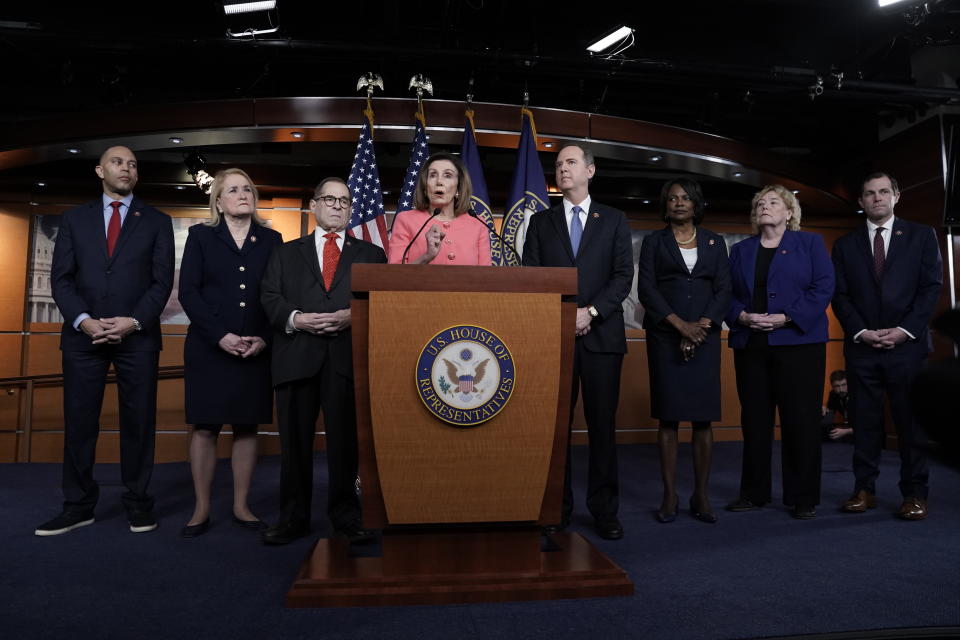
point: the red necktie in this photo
(113, 229)
(879, 255)
(331, 256)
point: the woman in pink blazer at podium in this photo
(448, 232)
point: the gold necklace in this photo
(692, 238)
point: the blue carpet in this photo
(753, 574)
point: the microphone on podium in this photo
(435, 213)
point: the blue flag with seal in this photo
(419, 153)
(480, 201)
(528, 193)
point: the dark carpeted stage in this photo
(754, 574)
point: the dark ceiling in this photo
(741, 69)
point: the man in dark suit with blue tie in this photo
(112, 273)
(306, 293)
(596, 240)
(888, 280)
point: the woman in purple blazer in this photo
(782, 283)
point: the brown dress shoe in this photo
(860, 502)
(913, 509)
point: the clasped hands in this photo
(883, 338)
(322, 323)
(762, 321)
(108, 330)
(242, 346)
(692, 335)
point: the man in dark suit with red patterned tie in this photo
(111, 276)
(888, 280)
(306, 294)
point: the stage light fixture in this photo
(175, 139)
(196, 167)
(615, 37)
(73, 150)
(248, 7)
(249, 19)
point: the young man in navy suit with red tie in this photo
(112, 273)
(888, 281)
(595, 239)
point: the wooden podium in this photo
(460, 491)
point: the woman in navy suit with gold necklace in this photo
(683, 283)
(226, 359)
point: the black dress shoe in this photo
(194, 530)
(285, 532)
(66, 521)
(609, 529)
(804, 512)
(668, 515)
(250, 525)
(555, 528)
(355, 534)
(742, 504)
(702, 515)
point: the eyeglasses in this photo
(332, 200)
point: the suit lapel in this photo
(673, 248)
(898, 244)
(862, 240)
(788, 244)
(590, 230)
(130, 224)
(347, 254)
(750, 247)
(96, 227)
(308, 249)
(559, 219)
(223, 233)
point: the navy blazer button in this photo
(242, 268)
(243, 286)
(243, 304)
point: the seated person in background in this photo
(836, 422)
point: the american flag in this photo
(367, 217)
(418, 154)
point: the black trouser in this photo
(598, 375)
(84, 380)
(788, 378)
(298, 406)
(872, 377)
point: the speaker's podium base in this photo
(456, 567)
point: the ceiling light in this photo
(179, 187)
(646, 202)
(548, 145)
(249, 7)
(618, 35)
(175, 140)
(41, 184)
(73, 150)
(654, 158)
(297, 134)
(738, 174)
(887, 3)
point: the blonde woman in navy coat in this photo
(226, 356)
(683, 283)
(783, 280)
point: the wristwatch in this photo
(592, 310)
(136, 325)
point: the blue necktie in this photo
(576, 230)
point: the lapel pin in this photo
(783, 251)
(347, 243)
(136, 213)
(596, 215)
(899, 233)
(710, 242)
(253, 238)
